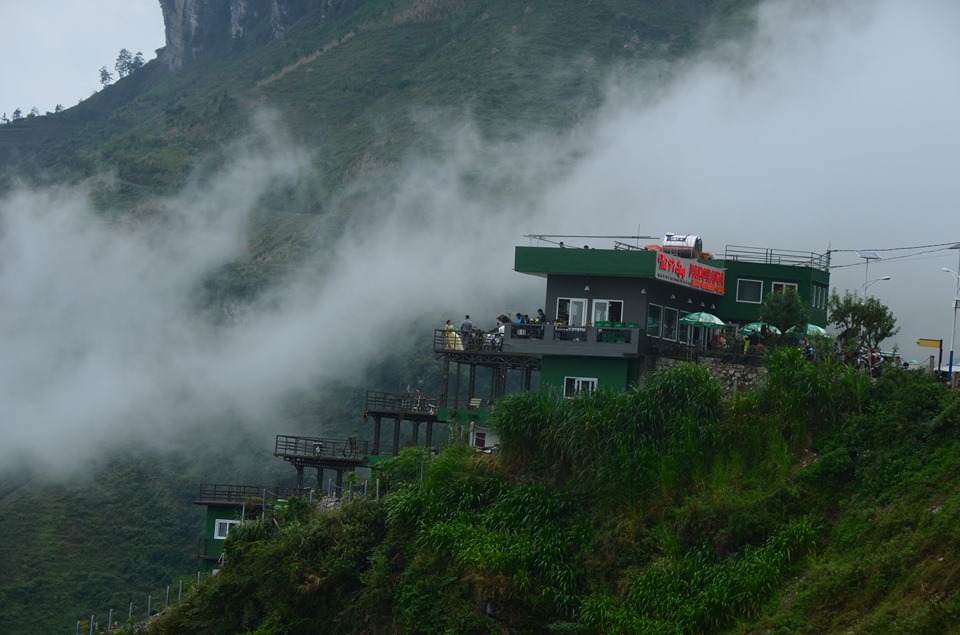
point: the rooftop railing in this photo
(778, 257)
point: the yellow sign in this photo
(929, 343)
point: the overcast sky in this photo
(51, 50)
(834, 127)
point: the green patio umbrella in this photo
(758, 326)
(702, 319)
(811, 330)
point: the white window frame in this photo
(820, 296)
(586, 306)
(606, 310)
(222, 528)
(784, 286)
(579, 384)
(750, 301)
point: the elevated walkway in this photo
(340, 455)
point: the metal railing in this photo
(216, 493)
(570, 333)
(475, 340)
(613, 335)
(733, 352)
(413, 403)
(316, 447)
(778, 257)
(528, 331)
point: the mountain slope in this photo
(362, 87)
(820, 502)
(359, 84)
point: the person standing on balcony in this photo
(451, 340)
(466, 331)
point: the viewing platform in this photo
(408, 406)
(340, 455)
(521, 342)
(237, 495)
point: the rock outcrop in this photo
(194, 26)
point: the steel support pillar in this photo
(446, 383)
(376, 435)
(396, 437)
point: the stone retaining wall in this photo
(733, 377)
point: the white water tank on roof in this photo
(683, 245)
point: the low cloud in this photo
(829, 127)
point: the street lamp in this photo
(953, 333)
(867, 284)
(867, 257)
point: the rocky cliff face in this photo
(193, 26)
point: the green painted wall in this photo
(214, 547)
(603, 262)
(611, 372)
(804, 277)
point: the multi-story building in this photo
(614, 309)
(611, 313)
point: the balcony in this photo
(235, 495)
(615, 340)
(317, 449)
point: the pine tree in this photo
(124, 63)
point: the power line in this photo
(930, 249)
(896, 248)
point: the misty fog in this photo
(832, 127)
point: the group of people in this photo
(467, 335)
(523, 318)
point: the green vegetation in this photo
(785, 310)
(862, 323)
(819, 502)
(365, 82)
(667, 509)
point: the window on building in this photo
(480, 439)
(780, 287)
(819, 297)
(684, 330)
(607, 311)
(669, 323)
(572, 386)
(654, 318)
(749, 291)
(571, 311)
(222, 528)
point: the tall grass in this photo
(698, 592)
(656, 437)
